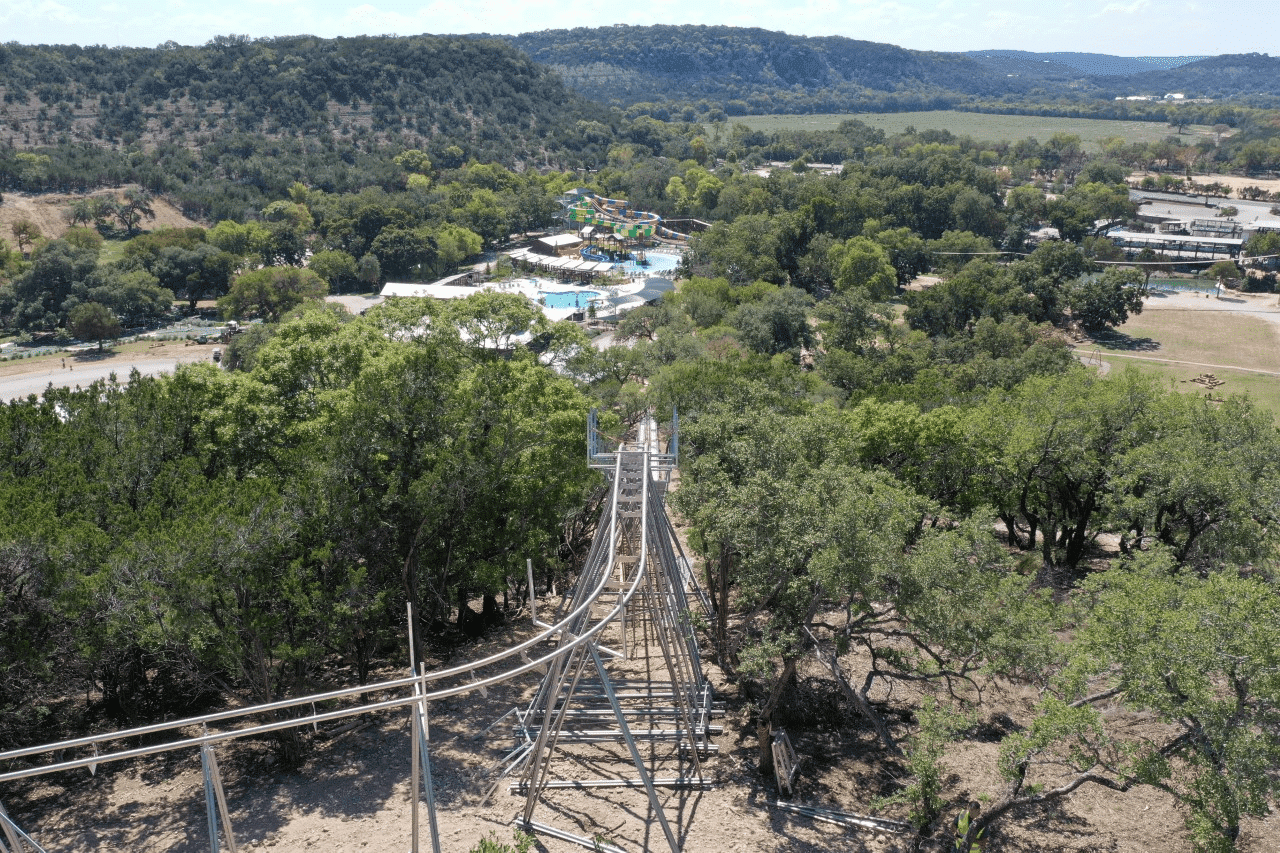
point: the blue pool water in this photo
(659, 264)
(571, 299)
(1158, 286)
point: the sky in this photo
(1118, 27)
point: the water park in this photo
(611, 237)
(558, 300)
(627, 257)
(561, 301)
(621, 219)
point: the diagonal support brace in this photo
(635, 751)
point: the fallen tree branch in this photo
(855, 697)
(1097, 697)
(1013, 801)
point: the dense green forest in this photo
(926, 478)
(421, 88)
(227, 126)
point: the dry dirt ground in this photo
(48, 212)
(352, 794)
(22, 377)
(1236, 182)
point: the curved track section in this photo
(625, 220)
(631, 594)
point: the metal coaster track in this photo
(635, 577)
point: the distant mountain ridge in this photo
(1092, 64)
(751, 70)
(760, 69)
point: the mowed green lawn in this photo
(1181, 344)
(994, 128)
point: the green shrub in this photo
(491, 844)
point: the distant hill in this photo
(1248, 76)
(1088, 64)
(750, 70)
(754, 70)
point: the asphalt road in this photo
(23, 384)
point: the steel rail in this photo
(598, 564)
(537, 758)
(564, 648)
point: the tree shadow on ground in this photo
(1120, 341)
(95, 355)
(1046, 828)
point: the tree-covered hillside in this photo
(430, 91)
(1246, 76)
(224, 129)
(1025, 62)
(750, 71)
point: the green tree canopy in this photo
(43, 294)
(271, 291)
(134, 296)
(863, 263)
(1105, 301)
(93, 321)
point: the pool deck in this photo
(614, 299)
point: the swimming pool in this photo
(570, 299)
(1166, 286)
(660, 263)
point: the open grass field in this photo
(1179, 344)
(995, 128)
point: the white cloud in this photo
(1134, 8)
(50, 11)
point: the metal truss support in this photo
(593, 427)
(18, 841)
(594, 844)
(587, 784)
(634, 559)
(215, 801)
(535, 779)
(422, 763)
(673, 446)
(645, 778)
(535, 775)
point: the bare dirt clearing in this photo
(1236, 182)
(49, 212)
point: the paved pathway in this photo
(84, 373)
